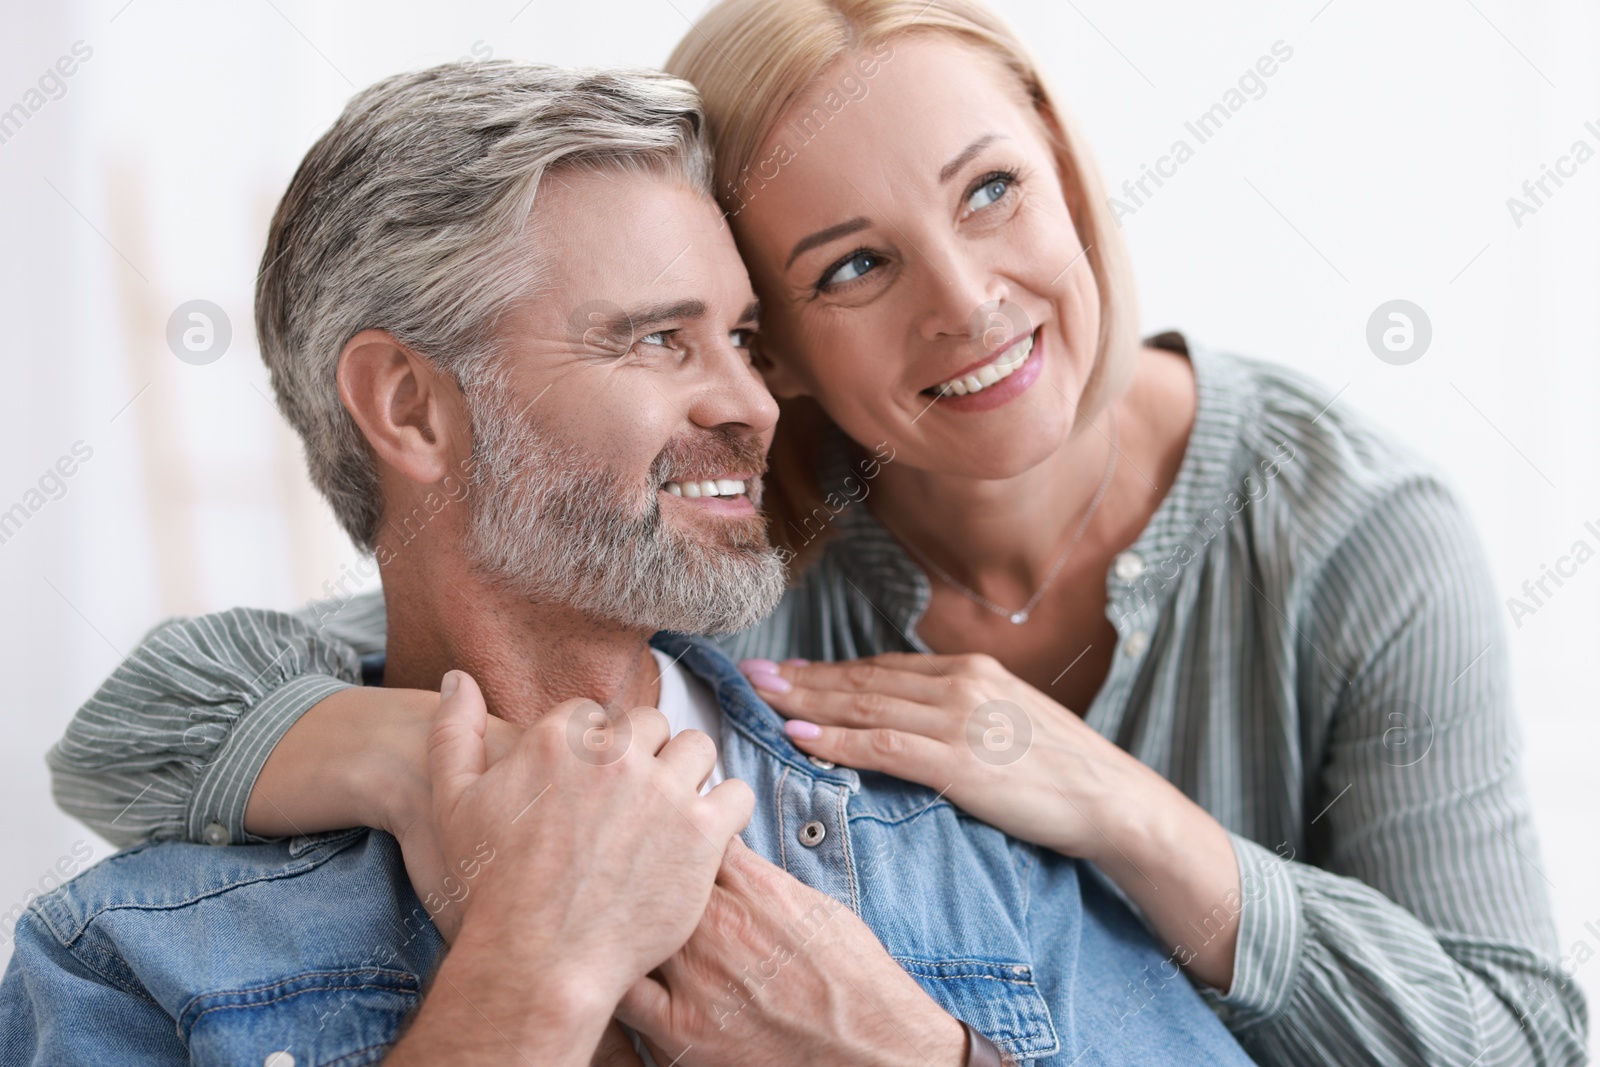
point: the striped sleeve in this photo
(1417, 928)
(171, 744)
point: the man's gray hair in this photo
(411, 215)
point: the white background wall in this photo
(1377, 165)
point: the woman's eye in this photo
(858, 265)
(989, 192)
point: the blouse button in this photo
(812, 833)
(1128, 566)
(215, 834)
(1135, 644)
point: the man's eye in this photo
(659, 338)
(990, 192)
(741, 338)
(848, 270)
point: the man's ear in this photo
(412, 413)
(774, 369)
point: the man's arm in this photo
(599, 872)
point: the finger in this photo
(650, 729)
(912, 756)
(908, 675)
(456, 752)
(646, 1007)
(845, 708)
(615, 1050)
(500, 738)
(690, 757)
(730, 805)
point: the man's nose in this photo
(733, 394)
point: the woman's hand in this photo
(1008, 754)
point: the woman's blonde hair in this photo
(751, 59)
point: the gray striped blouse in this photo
(1309, 646)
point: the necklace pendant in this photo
(1018, 617)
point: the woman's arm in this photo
(1416, 927)
(172, 743)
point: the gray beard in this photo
(555, 526)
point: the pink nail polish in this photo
(772, 683)
(750, 666)
(802, 730)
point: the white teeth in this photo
(695, 490)
(989, 373)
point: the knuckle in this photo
(885, 743)
(869, 707)
(863, 675)
(980, 664)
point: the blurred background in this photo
(1427, 152)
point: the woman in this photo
(1167, 610)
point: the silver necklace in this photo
(1020, 616)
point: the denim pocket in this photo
(343, 1017)
(1000, 1001)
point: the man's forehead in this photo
(630, 233)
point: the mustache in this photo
(712, 452)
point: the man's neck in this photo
(527, 657)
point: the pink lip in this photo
(721, 505)
(982, 363)
(1002, 392)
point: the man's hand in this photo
(578, 875)
(778, 973)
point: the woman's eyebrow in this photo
(822, 237)
(964, 156)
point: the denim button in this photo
(812, 833)
(820, 763)
(215, 834)
(279, 1059)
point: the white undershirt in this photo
(689, 704)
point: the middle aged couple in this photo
(1096, 688)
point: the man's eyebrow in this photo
(752, 312)
(964, 157)
(822, 237)
(641, 319)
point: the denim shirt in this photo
(172, 953)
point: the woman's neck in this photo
(1002, 537)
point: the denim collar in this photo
(742, 709)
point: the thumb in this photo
(456, 752)
(647, 1007)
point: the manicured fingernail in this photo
(448, 684)
(772, 683)
(797, 662)
(802, 730)
(750, 666)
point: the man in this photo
(519, 272)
